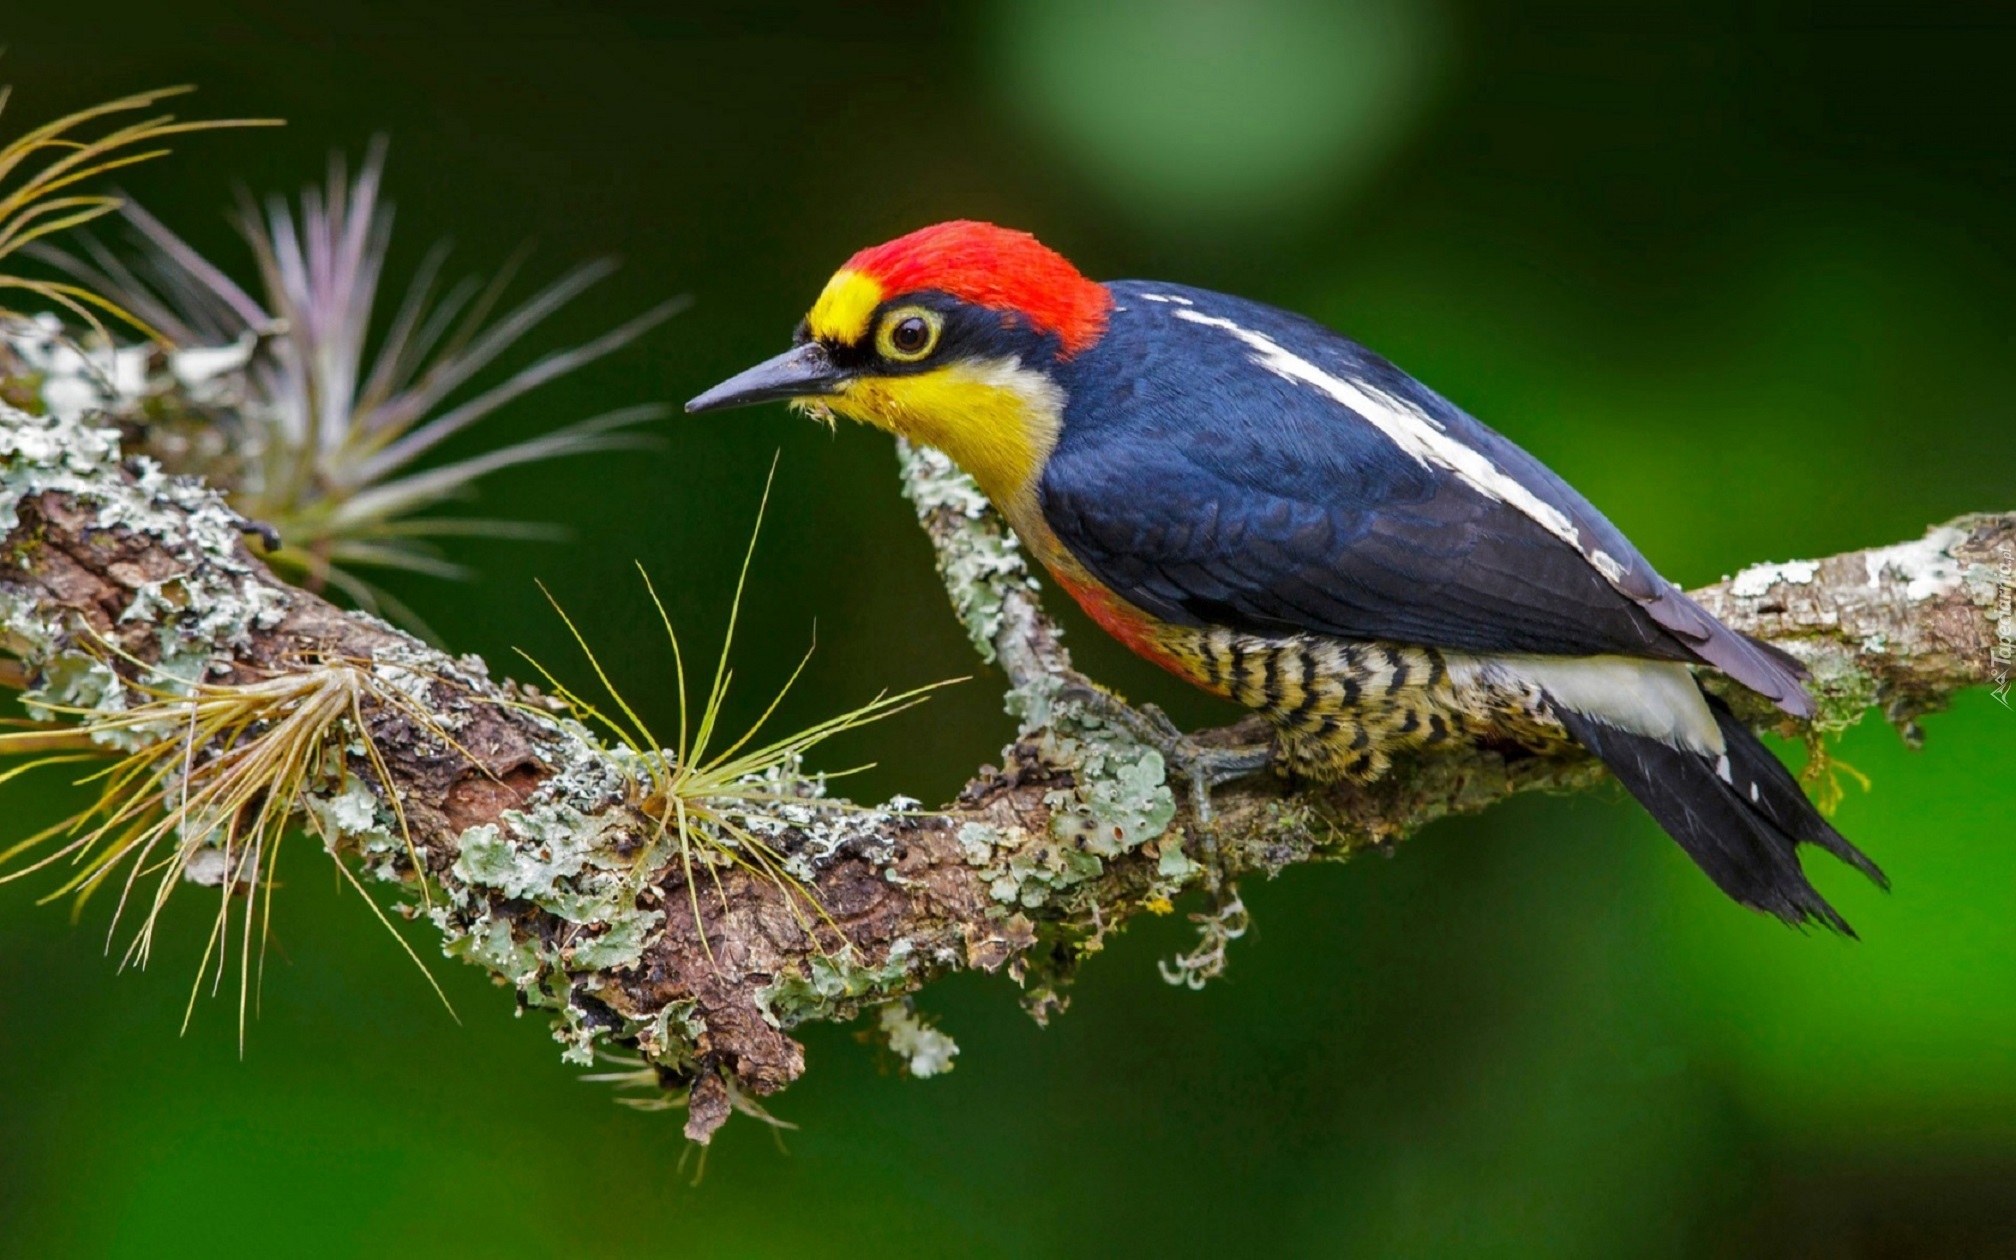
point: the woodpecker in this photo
(1278, 515)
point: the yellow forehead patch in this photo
(842, 311)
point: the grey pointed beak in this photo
(800, 372)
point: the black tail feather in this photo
(1742, 820)
(1779, 796)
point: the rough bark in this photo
(542, 865)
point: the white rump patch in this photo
(1414, 432)
(1654, 698)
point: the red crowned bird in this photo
(1282, 517)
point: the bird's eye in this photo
(909, 334)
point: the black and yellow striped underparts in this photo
(1344, 708)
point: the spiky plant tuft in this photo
(42, 170)
(709, 793)
(335, 427)
(206, 779)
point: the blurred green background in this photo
(1748, 285)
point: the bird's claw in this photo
(1203, 766)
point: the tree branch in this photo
(530, 844)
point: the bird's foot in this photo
(1204, 766)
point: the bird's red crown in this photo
(993, 267)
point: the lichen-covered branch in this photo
(527, 842)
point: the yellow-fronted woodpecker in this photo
(1280, 516)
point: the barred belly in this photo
(1343, 708)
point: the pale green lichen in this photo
(1173, 865)
(620, 945)
(836, 985)
(1925, 565)
(977, 841)
(1842, 690)
(553, 856)
(1021, 870)
(414, 671)
(566, 853)
(199, 614)
(1216, 930)
(1121, 798)
(74, 382)
(495, 944)
(1123, 802)
(983, 561)
(1118, 803)
(351, 816)
(1032, 874)
(1759, 578)
(784, 801)
(351, 810)
(924, 1050)
(79, 680)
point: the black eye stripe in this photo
(962, 330)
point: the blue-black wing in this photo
(1215, 469)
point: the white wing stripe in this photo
(1414, 432)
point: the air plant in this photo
(199, 782)
(41, 170)
(716, 803)
(214, 777)
(334, 425)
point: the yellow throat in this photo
(996, 419)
